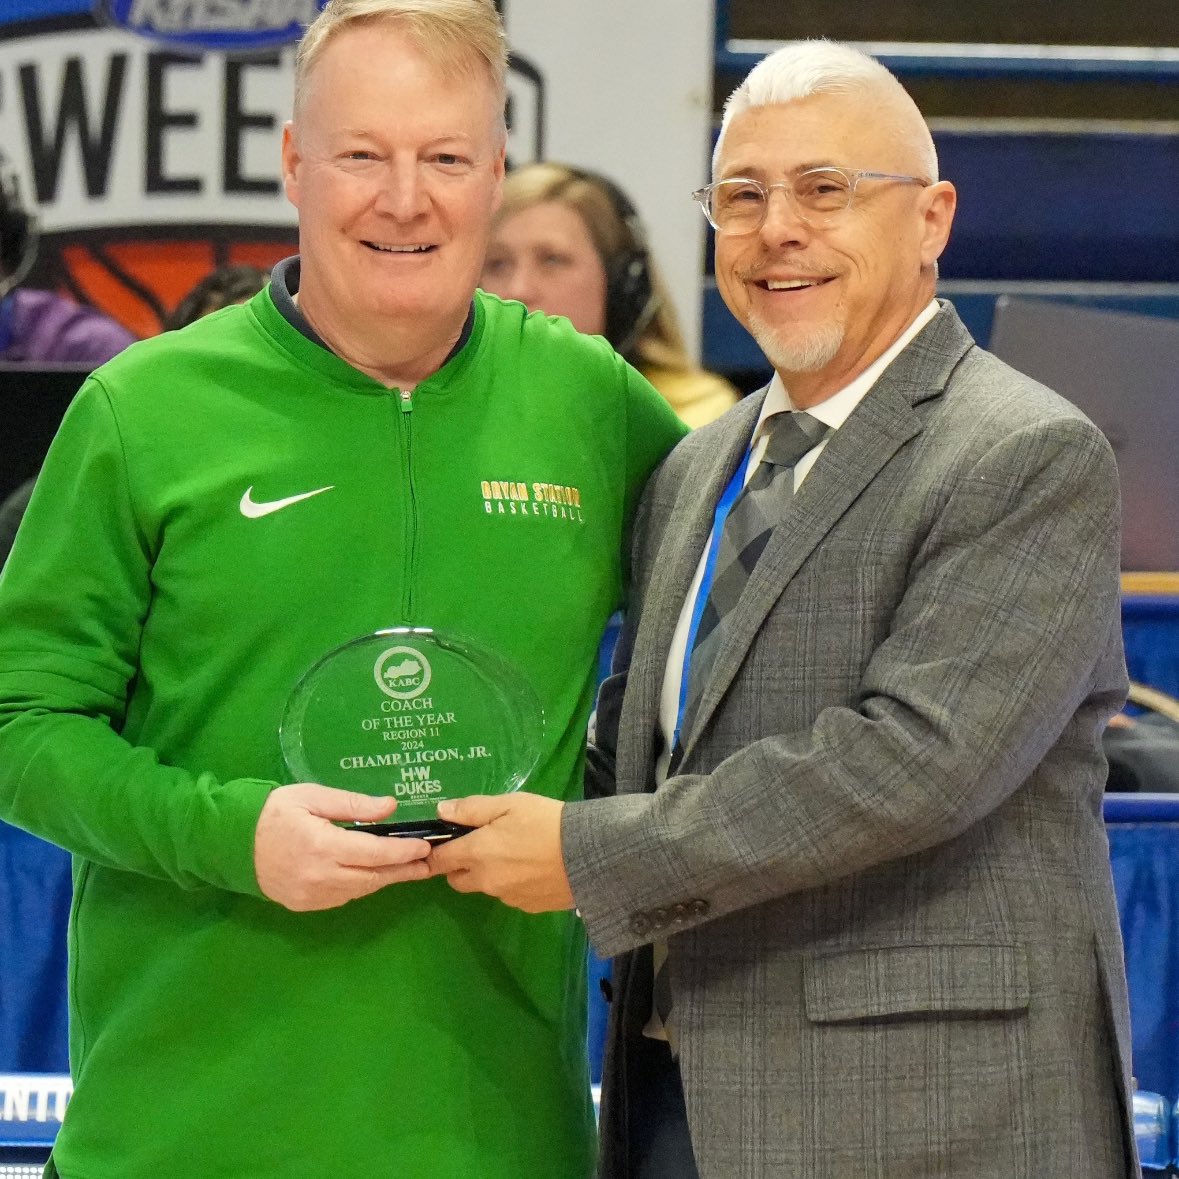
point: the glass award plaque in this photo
(418, 714)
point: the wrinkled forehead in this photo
(388, 46)
(386, 88)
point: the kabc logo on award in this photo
(402, 672)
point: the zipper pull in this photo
(406, 403)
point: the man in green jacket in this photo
(370, 442)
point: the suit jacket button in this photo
(640, 923)
(699, 908)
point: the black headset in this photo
(631, 301)
(18, 231)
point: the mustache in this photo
(757, 271)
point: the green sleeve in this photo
(73, 599)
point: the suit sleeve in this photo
(992, 649)
(73, 600)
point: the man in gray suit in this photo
(855, 733)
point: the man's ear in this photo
(290, 163)
(500, 167)
(938, 203)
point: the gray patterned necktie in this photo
(745, 534)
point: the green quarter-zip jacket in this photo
(222, 507)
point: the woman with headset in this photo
(569, 242)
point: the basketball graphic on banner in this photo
(144, 140)
(139, 280)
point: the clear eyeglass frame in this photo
(819, 195)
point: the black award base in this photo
(431, 830)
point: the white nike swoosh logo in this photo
(254, 511)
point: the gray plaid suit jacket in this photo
(881, 868)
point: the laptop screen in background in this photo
(1122, 372)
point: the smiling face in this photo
(395, 167)
(824, 302)
(544, 256)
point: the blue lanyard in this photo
(7, 312)
(733, 489)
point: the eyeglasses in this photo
(820, 195)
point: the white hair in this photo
(802, 68)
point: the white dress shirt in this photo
(832, 413)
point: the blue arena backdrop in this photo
(21, 10)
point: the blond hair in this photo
(613, 228)
(458, 36)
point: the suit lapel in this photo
(685, 533)
(855, 454)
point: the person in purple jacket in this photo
(40, 326)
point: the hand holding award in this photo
(417, 714)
